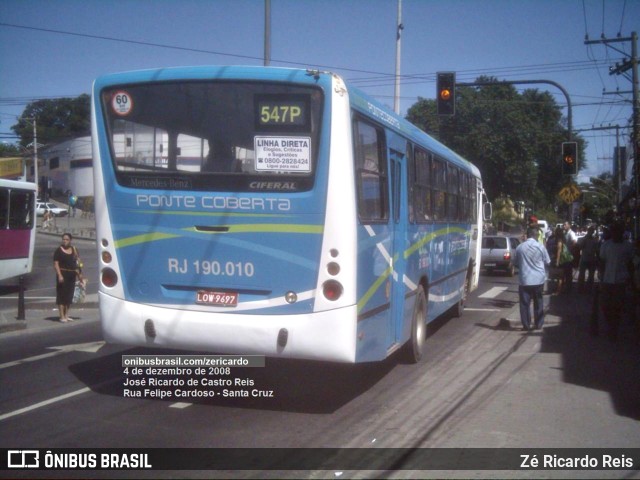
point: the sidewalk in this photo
(584, 358)
(44, 315)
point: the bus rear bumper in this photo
(329, 335)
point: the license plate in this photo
(219, 299)
(489, 264)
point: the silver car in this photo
(498, 253)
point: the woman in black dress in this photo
(65, 263)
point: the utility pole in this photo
(616, 157)
(400, 27)
(630, 62)
(267, 32)
(35, 157)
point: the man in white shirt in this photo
(531, 260)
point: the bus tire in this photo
(414, 349)
(458, 309)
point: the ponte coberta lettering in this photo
(213, 202)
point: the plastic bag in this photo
(80, 291)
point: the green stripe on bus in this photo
(144, 238)
(427, 238)
(247, 228)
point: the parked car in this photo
(498, 253)
(57, 211)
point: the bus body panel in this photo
(327, 335)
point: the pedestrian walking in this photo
(589, 245)
(46, 220)
(531, 259)
(616, 257)
(560, 266)
(571, 241)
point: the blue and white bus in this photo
(274, 211)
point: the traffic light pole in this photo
(525, 82)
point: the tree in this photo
(56, 120)
(7, 150)
(513, 138)
(598, 198)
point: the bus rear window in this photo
(229, 136)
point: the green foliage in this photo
(7, 150)
(56, 120)
(513, 138)
(504, 212)
(598, 198)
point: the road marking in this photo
(482, 309)
(91, 297)
(14, 297)
(180, 405)
(493, 292)
(91, 347)
(44, 404)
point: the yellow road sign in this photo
(569, 193)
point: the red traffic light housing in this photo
(446, 93)
(569, 158)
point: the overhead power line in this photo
(381, 79)
(175, 47)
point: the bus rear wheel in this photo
(458, 309)
(414, 349)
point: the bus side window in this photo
(371, 171)
(21, 216)
(4, 208)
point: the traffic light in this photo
(569, 158)
(446, 93)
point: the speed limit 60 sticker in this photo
(122, 103)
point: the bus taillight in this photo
(332, 290)
(109, 278)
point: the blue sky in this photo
(508, 39)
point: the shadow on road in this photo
(594, 361)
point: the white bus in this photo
(17, 227)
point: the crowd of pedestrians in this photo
(607, 254)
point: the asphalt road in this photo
(483, 383)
